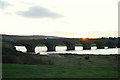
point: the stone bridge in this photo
(70, 43)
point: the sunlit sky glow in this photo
(67, 18)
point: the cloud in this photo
(4, 4)
(39, 12)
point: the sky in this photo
(64, 18)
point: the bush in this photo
(87, 57)
(11, 59)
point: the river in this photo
(78, 50)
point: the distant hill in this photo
(32, 37)
(10, 37)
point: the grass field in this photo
(58, 71)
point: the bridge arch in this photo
(29, 48)
(110, 44)
(50, 46)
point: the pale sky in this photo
(67, 18)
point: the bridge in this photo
(70, 43)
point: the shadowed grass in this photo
(58, 71)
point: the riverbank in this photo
(62, 66)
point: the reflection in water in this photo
(78, 50)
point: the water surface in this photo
(78, 50)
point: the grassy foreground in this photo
(20, 65)
(58, 71)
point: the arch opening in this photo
(21, 48)
(79, 46)
(40, 48)
(93, 46)
(61, 47)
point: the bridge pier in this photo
(118, 44)
(30, 48)
(86, 46)
(50, 46)
(99, 45)
(110, 44)
(70, 48)
(69, 45)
